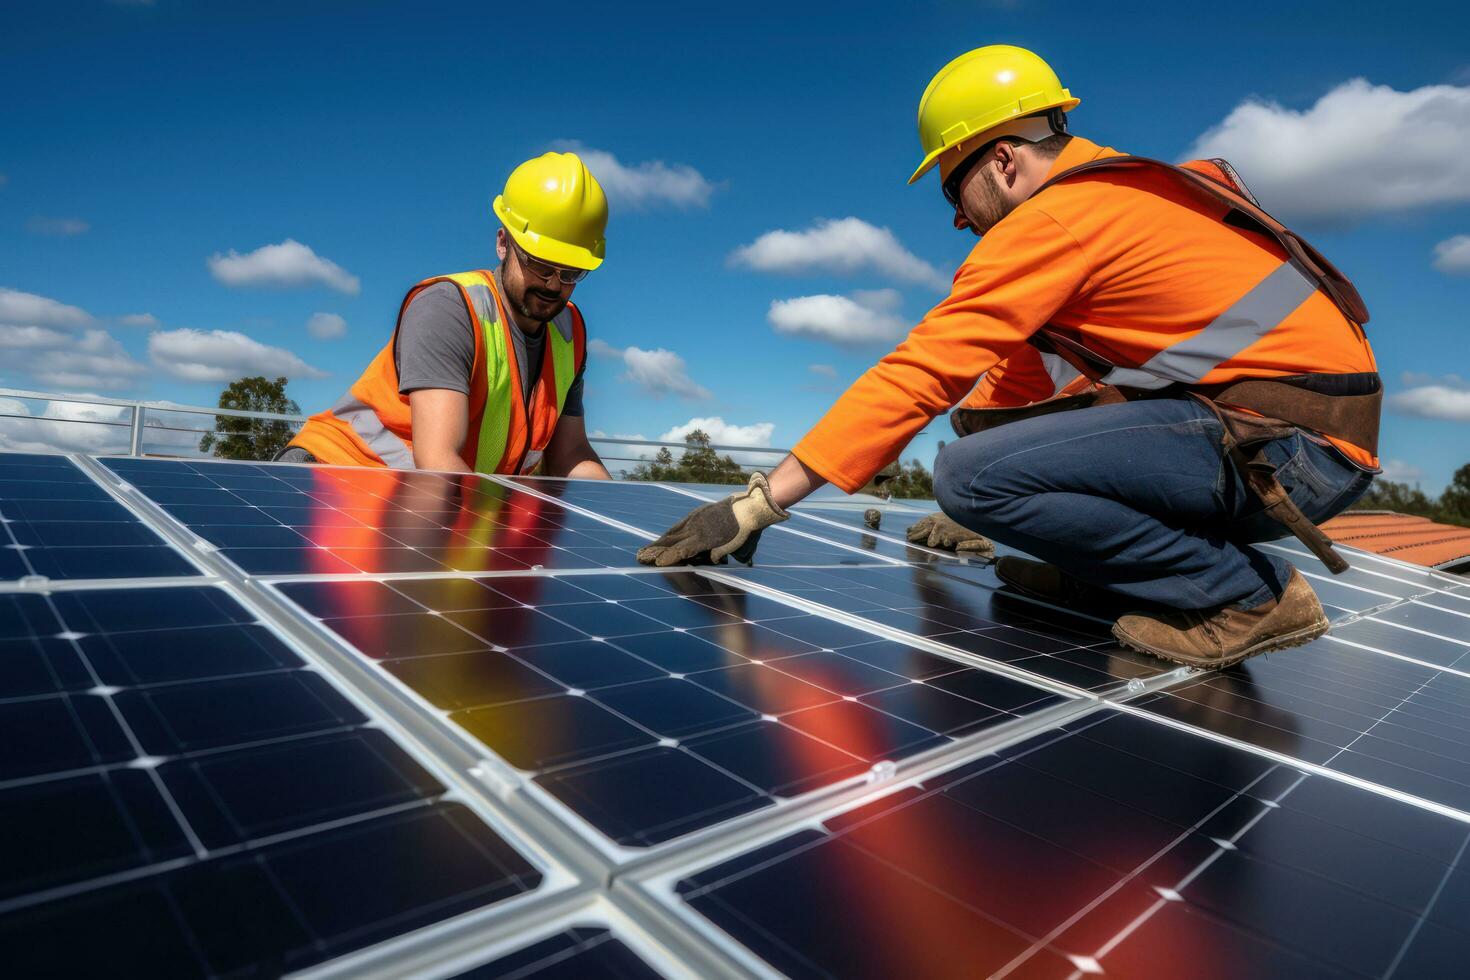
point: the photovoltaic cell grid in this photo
(57, 523)
(653, 705)
(275, 520)
(1385, 697)
(181, 795)
(962, 607)
(653, 508)
(1119, 848)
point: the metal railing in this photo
(124, 426)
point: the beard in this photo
(538, 305)
(992, 205)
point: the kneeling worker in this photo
(484, 369)
(1231, 394)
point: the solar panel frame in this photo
(1368, 594)
(58, 523)
(190, 802)
(536, 779)
(667, 883)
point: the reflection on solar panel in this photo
(292, 520)
(652, 508)
(1120, 849)
(654, 705)
(426, 724)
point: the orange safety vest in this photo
(371, 425)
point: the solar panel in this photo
(192, 797)
(444, 725)
(653, 508)
(654, 705)
(577, 952)
(1118, 848)
(314, 520)
(961, 608)
(57, 523)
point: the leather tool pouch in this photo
(1244, 437)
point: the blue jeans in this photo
(1137, 498)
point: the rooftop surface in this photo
(1403, 536)
(269, 719)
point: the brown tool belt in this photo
(1252, 413)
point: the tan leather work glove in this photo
(710, 532)
(938, 531)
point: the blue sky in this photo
(142, 139)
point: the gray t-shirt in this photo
(436, 348)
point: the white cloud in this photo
(92, 361)
(722, 433)
(661, 372)
(600, 434)
(1401, 472)
(646, 184)
(598, 347)
(14, 336)
(145, 320)
(223, 355)
(658, 372)
(1361, 149)
(286, 265)
(1434, 401)
(825, 370)
(28, 308)
(326, 326)
(865, 317)
(846, 245)
(1452, 256)
(57, 227)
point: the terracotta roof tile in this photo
(1403, 536)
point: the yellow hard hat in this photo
(977, 94)
(555, 209)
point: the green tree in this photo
(1451, 507)
(909, 480)
(1454, 503)
(698, 464)
(242, 438)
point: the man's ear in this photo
(1006, 162)
(500, 247)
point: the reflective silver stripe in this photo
(532, 460)
(483, 303)
(1248, 319)
(1062, 373)
(563, 321)
(381, 440)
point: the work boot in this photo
(1217, 638)
(1041, 580)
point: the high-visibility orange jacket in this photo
(372, 424)
(1129, 264)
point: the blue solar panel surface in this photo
(399, 696)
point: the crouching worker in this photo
(484, 369)
(1222, 389)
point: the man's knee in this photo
(956, 489)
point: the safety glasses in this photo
(545, 271)
(951, 187)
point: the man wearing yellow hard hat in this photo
(1230, 394)
(484, 368)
